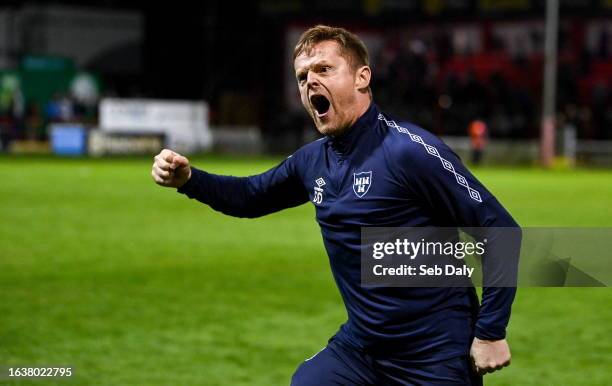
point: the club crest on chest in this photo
(361, 183)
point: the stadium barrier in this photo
(497, 151)
(237, 140)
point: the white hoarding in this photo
(184, 123)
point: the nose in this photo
(312, 79)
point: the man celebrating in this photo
(370, 170)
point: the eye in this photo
(325, 68)
(301, 78)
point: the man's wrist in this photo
(186, 180)
(489, 333)
(481, 340)
(186, 186)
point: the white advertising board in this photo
(184, 123)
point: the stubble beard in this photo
(334, 132)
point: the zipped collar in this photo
(344, 143)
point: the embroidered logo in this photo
(361, 183)
(317, 196)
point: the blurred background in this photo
(129, 76)
(133, 284)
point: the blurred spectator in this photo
(34, 121)
(53, 109)
(602, 111)
(7, 126)
(477, 131)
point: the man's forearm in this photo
(252, 196)
(494, 312)
(226, 194)
(500, 270)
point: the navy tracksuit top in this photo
(414, 180)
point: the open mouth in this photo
(320, 104)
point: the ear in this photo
(362, 77)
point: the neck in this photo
(342, 144)
(360, 107)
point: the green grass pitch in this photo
(133, 284)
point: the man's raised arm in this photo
(253, 196)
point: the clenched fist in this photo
(170, 169)
(489, 355)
